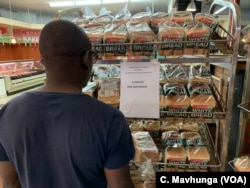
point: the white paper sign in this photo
(139, 96)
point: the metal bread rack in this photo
(207, 140)
(231, 164)
(227, 43)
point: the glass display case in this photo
(21, 75)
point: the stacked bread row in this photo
(186, 89)
(174, 34)
(179, 145)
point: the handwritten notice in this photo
(139, 97)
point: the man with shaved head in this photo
(58, 137)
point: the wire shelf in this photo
(245, 107)
(207, 139)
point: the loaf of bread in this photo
(101, 72)
(190, 138)
(199, 153)
(115, 34)
(81, 21)
(177, 101)
(170, 138)
(157, 18)
(102, 20)
(198, 40)
(189, 126)
(182, 17)
(136, 126)
(198, 157)
(174, 88)
(140, 35)
(152, 125)
(122, 16)
(170, 35)
(141, 17)
(175, 74)
(202, 100)
(175, 158)
(199, 88)
(139, 136)
(145, 148)
(208, 19)
(170, 126)
(109, 91)
(242, 163)
(175, 152)
(199, 73)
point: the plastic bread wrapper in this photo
(147, 171)
(190, 138)
(200, 73)
(141, 136)
(209, 20)
(171, 138)
(146, 150)
(175, 74)
(242, 163)
(136, 126)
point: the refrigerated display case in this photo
(21, 75)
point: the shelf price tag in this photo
(139, 95)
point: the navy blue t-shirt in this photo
(57, 140)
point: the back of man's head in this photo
(62, 38)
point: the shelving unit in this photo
(244, 106)
(227, 40)
(234, 31)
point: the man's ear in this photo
(85, 63)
